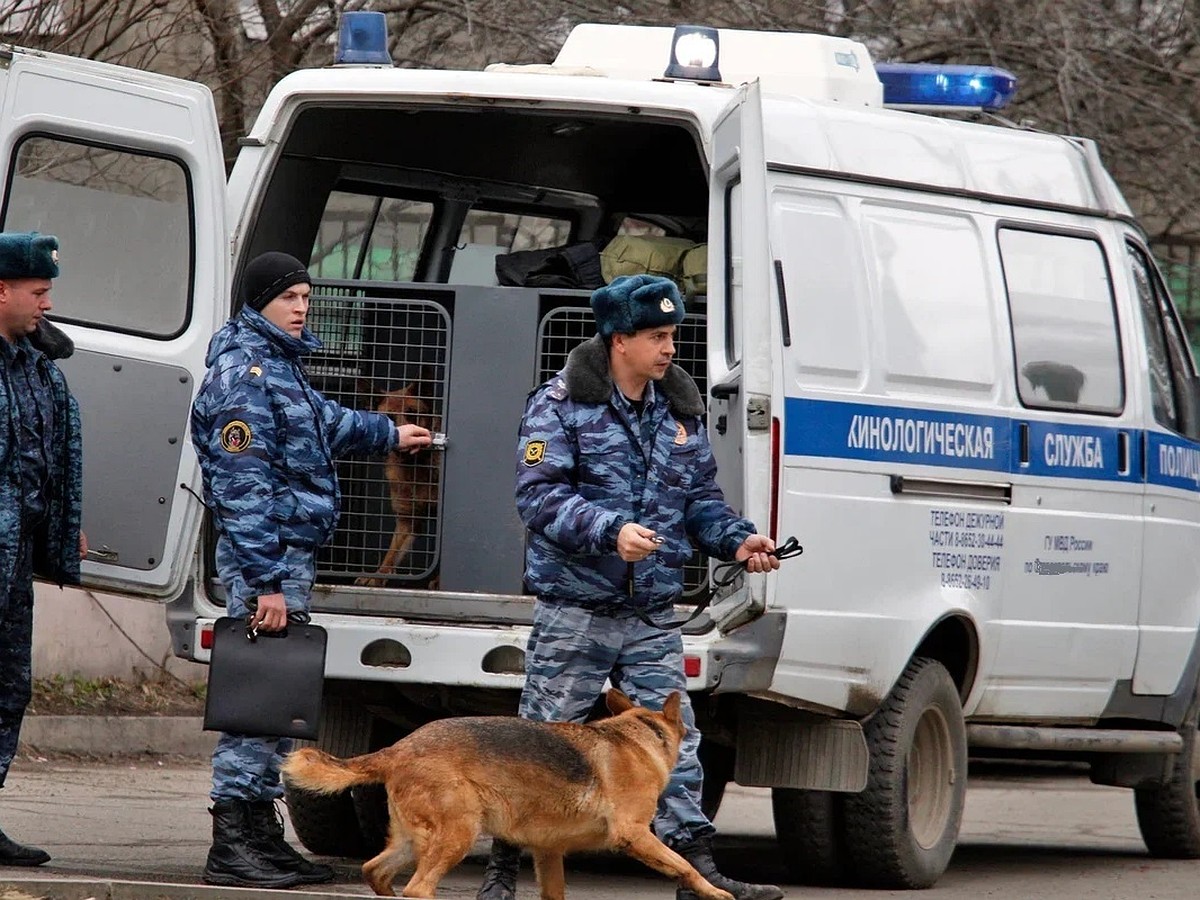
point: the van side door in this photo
(125, 167)
(1170, 595)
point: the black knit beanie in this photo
(269, 275)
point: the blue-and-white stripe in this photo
(934, 437)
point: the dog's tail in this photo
(313, 770)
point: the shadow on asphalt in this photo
(759, 859)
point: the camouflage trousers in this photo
(245, 766)
(573, 650)
(16, 649)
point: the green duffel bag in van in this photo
(693, 271)
(628, 254)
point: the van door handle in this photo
(724, 391)
(722, 425)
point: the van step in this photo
(1098, 740)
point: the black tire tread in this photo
(327, 825)
(809, 826)
(877, 833)
(1168, 815)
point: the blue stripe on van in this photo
(1173, 461)
(931, 437)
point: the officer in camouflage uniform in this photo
(41, 478)
(615, 480)
(267, 443)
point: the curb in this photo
(117, 735)
(78, 889)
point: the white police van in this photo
(938, 352)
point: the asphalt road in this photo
(1023, 836)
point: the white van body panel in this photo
(137, 464)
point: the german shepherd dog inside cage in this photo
(412, 479)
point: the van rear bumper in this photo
(377, 648)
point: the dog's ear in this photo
(672, 708)
(617, 702)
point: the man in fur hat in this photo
(41, 478)
(615, 481)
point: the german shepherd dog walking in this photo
(412, 480)
(553, 787)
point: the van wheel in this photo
(901, 830)
(1168, 815)
(326, 824)
(717, 762)
(809, 827)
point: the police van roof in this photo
(819, 134)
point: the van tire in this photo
(327, 824)
(1168, 814)
(717, 762)
(809, 826)
(902, 829)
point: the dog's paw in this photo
(369, 581)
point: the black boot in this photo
(235, 858)
(267, 826)
(500, 877)
(699, 854)
(14, 854)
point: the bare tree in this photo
(1122, 71)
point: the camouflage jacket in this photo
(586, 465)
(267, 442)
(56, 539)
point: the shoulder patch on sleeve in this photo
(535, 452)
(235, 436)
(254, 370)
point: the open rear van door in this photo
(125, 167)
(741, 346)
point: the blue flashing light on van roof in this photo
(963, 87)
(695, 54)
(362, 40)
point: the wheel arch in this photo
(954, 642)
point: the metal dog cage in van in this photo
(464, 358)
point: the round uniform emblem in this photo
(235, 437)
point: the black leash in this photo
(722, 576)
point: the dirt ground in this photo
(167, 696)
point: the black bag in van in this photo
(576, 266)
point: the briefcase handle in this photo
(294, 617)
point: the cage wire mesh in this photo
(563, 329)
(386, 353)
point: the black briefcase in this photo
(268, 683)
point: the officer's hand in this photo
(635, 543)
(83, 548)
(271, 614)
(755, 550)
(412, 437)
